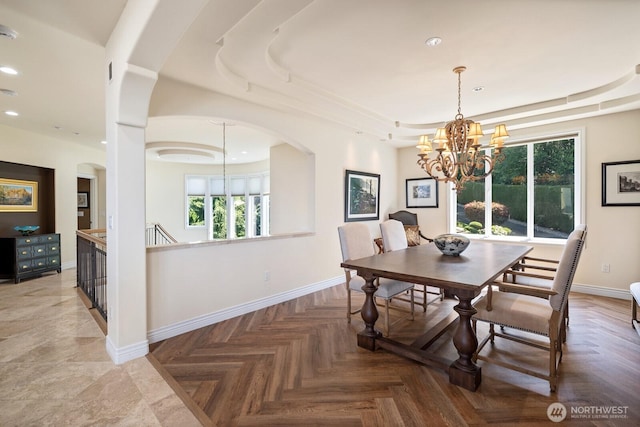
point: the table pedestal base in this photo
(465, 379)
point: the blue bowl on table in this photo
(26, 230)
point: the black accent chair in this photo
(408, 218)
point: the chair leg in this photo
(348, 304)
(553, 375)
(386, 317)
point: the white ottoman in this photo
(635, 301)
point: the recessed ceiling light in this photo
(433, 41)
(478, 88)
(7, 32)
(8, 92)
(11, 113)
(8, 70)
(103, 142)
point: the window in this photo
(233, 208)
(534, 193)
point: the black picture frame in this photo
(621, 183)
(361, 196)
(422, 193)
(83, 200)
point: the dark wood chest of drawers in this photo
(29, 256)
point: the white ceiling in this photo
(362, 64)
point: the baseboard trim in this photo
(68, 265)
(209, 319)
(124, 354)
(601, 291)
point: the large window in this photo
(231, 207)
(534, 193)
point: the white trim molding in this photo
(601, 291)
(124, 354)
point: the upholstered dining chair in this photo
(356, 242)
(537, 273)
(532, 314)
(394, 238)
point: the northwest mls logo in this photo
(556, 412)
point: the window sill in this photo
(221, 242)
(517, 240)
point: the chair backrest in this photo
(567, 267)
(405, 217)
(355, 241)
(394, 238)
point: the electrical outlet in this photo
(267, 276)
(606, 268)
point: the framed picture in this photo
(83, 200)
(621, 183)
(361, 196)
(18, 196)
(422, 193)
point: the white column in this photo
(145, 35)
(126, 259)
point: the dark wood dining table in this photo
(462, 277)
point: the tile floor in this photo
(55, 371)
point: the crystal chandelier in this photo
(458, 155)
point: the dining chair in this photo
(356, 242)
(538, 273)
(409, 219)
(394, 238)
(532, 314)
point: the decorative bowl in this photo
(451, 244)
(26, 230)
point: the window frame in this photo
(529, 141)
(230, 212)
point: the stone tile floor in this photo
(55, 370)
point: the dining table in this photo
(462, 277)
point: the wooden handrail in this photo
(89, 235)
(166, 233)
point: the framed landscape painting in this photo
(361, 196)
(422, 193)
(621, 183)
(18, 196)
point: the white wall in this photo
(187, 282)
(292, 190)
(613, 232)
(34, 149)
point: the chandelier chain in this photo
(459, 95)
(224, 157)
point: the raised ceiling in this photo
(361, 64)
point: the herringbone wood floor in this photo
(298, 364)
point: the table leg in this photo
(367, 337)
(463, 372)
